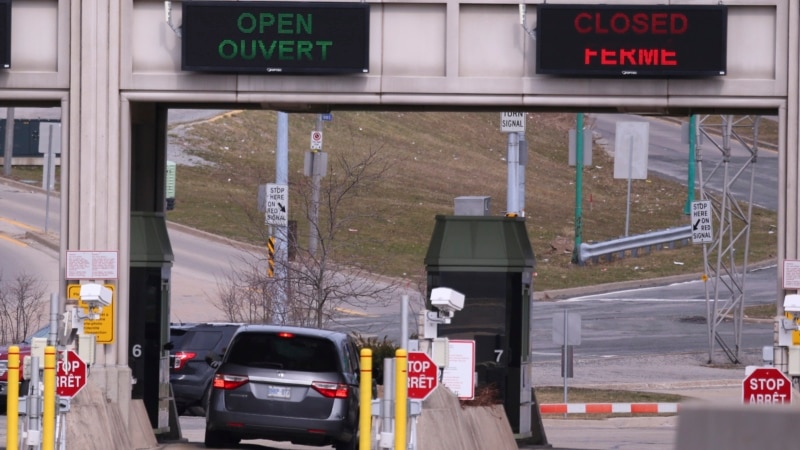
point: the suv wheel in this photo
(352, 444)
(219, 439)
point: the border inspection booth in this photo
(490, 260)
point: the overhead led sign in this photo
(275, 37)
(631, 40)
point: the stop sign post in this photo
(423, 375)
(70, 374)
(767, 385)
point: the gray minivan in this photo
(286, 384)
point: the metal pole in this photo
(687, 209)
(404, 322)
(34, 417)
(281, 244)
(512, 161)
(313, 229)
(564, 358)
(578, 188)
(50, 174)
(630, 175)
(523, 162)
(8, 151)
(52, 335)
(387, 405)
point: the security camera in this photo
(95, 295)
(447, 300)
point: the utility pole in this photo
(313, 228)
(513, 123)
(687, 209)
(523, 164)
(281, 232)
(8, 151)
(578, 188)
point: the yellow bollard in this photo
(365, 401)
(49, 399)
(400, 399)
(12, 399)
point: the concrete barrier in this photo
(91, 418)
(735, 426)
(445, 425)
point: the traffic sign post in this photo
(70, 374)
(767, 385)
(423, 375)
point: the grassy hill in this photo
(433, 158)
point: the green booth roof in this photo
(150, 244)
(479, 243)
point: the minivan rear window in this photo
(282, 351)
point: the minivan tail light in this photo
(331, 390)
(228, 382)
(181, 358)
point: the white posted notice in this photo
(459, 375)
(791, 274)
(89, 265)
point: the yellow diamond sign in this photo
(102, 328)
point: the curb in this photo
(560, 294)
(608, 408)
(48, 240)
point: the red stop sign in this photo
(767, 385)
(423, 375)
(70, 374)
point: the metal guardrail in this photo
(619, 248)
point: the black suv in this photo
(196, 350)
(286, 384)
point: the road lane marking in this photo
(353, 312)
(632, 300)
(12, 240)
(19, 224)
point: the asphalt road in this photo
(669, 157)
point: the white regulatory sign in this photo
(316, 140)
(512, 122)
(702, 233)
(277, 205)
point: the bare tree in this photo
(317, 286)
(246, 294)
(319, 282)
(22, 303)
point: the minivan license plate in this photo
(279, 392)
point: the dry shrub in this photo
(486, 395)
